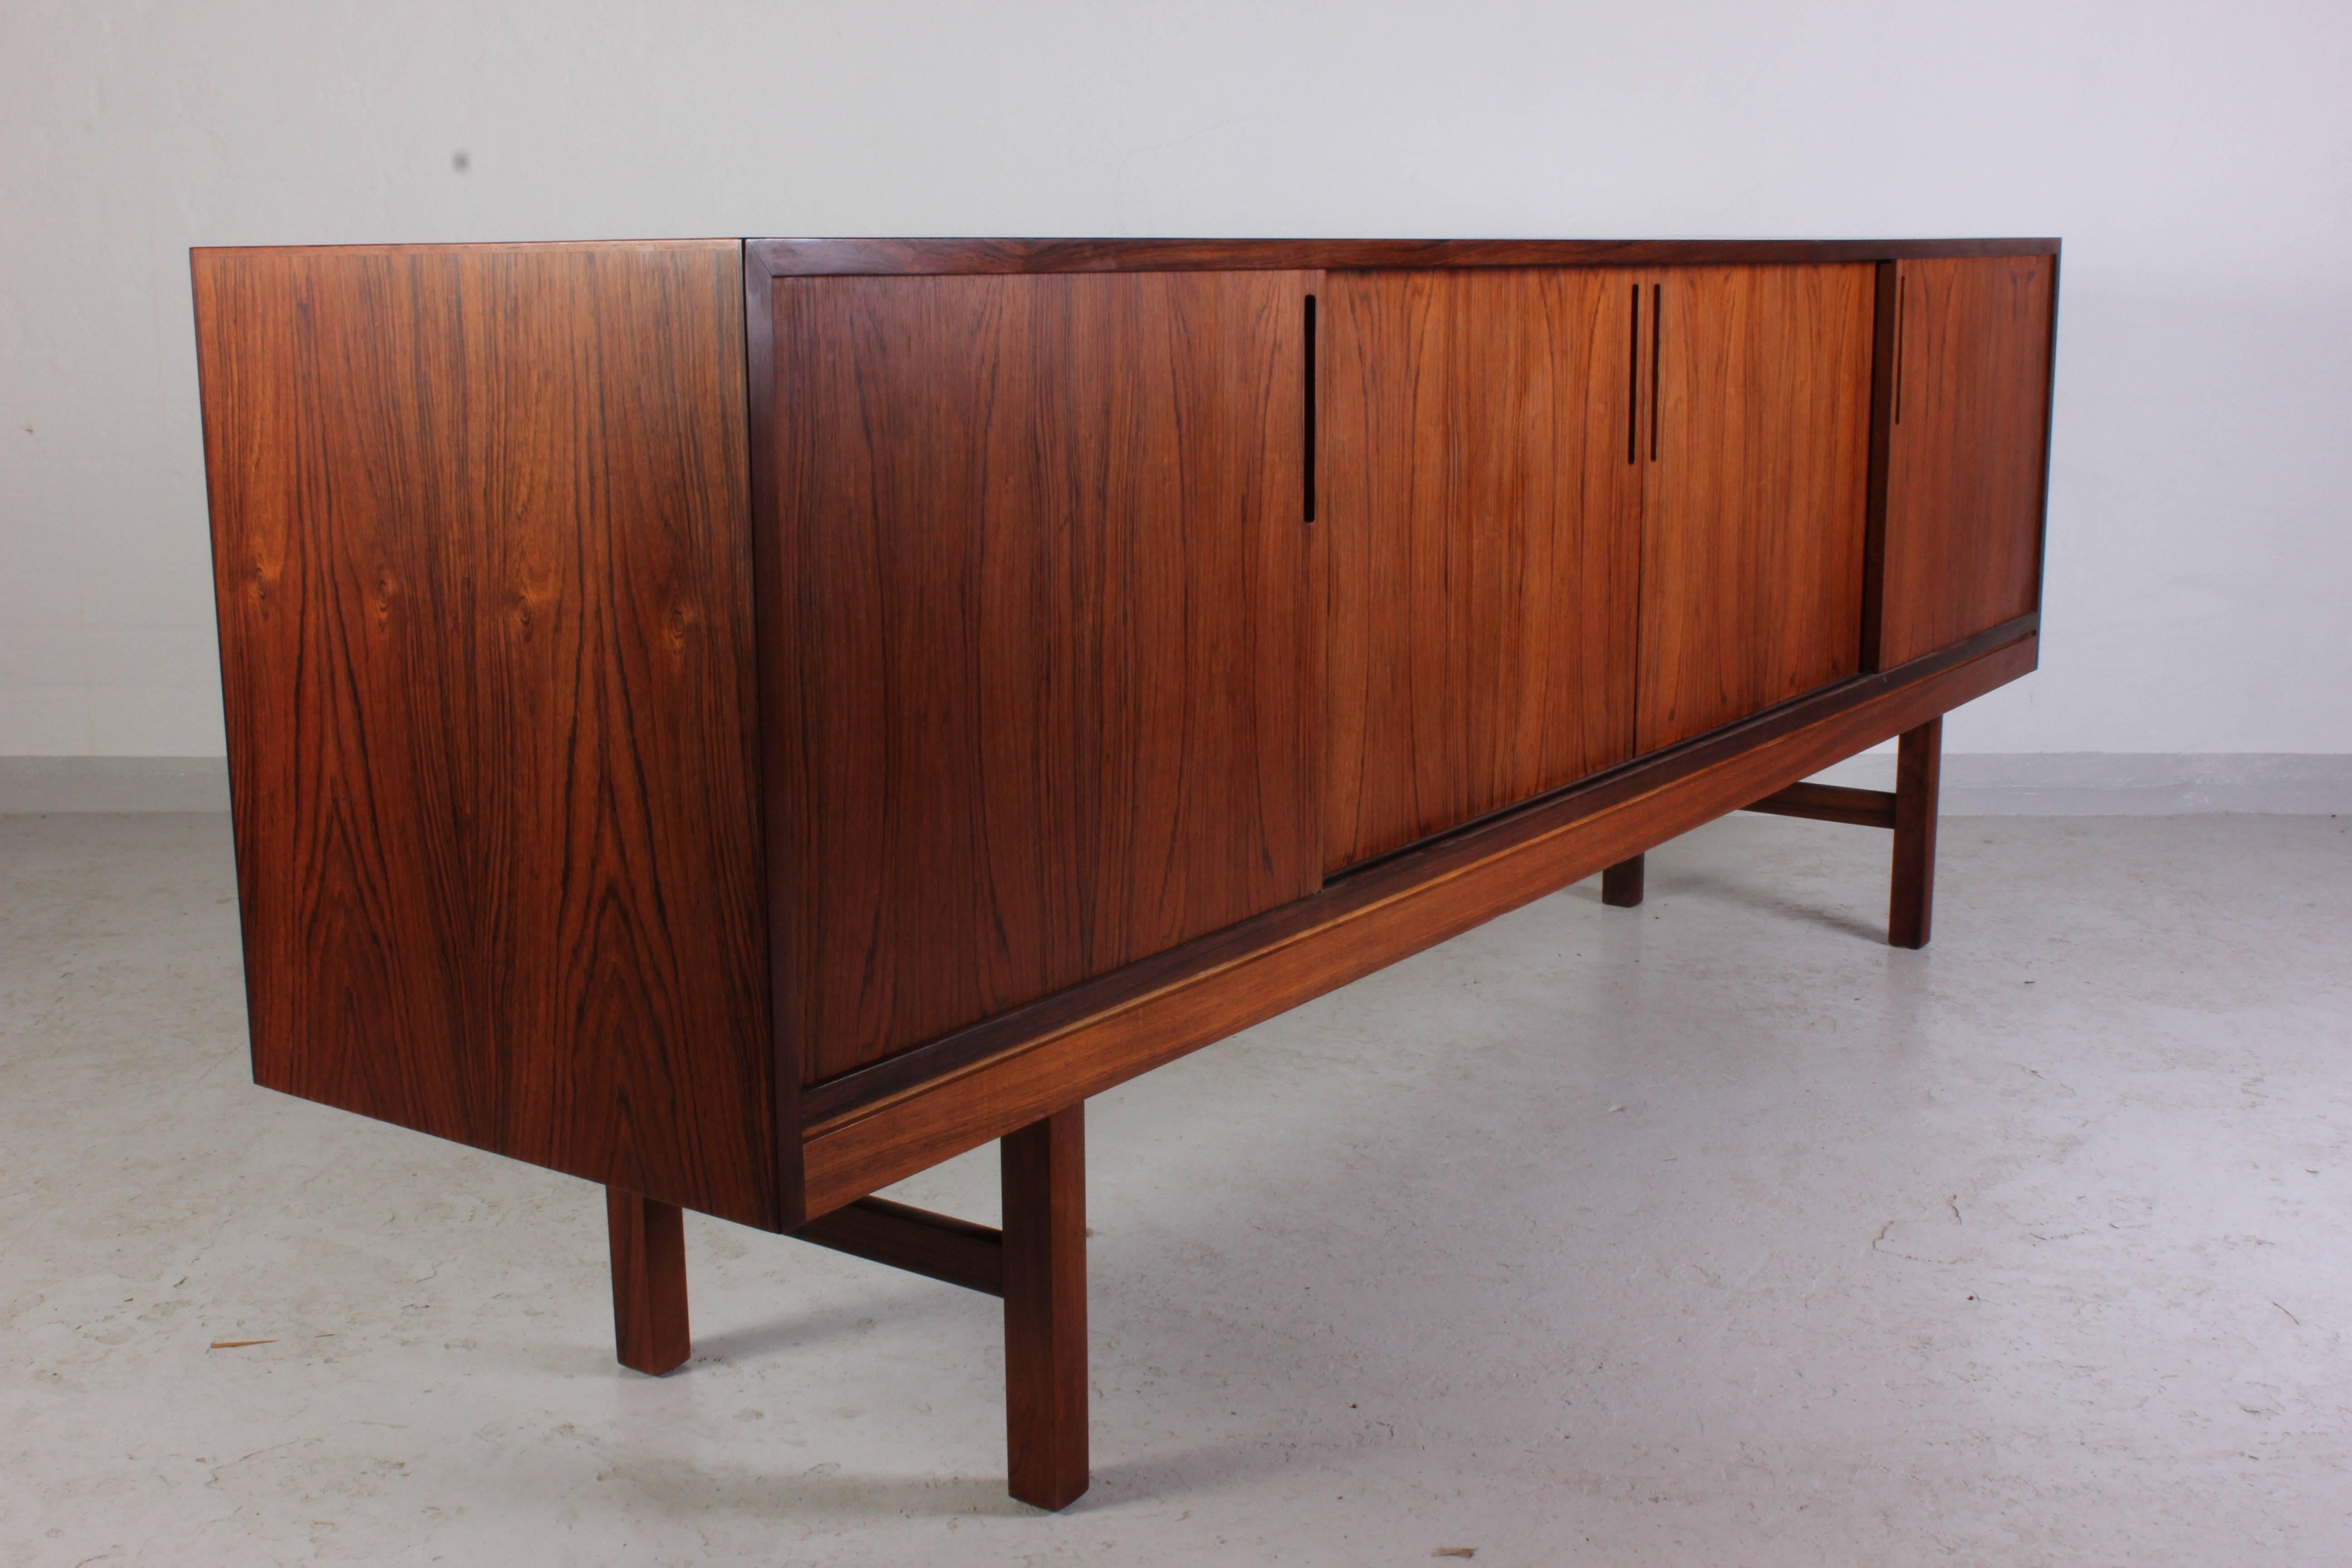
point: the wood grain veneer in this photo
(1965, 474)
(1049, 679)
(484, 591)
(1755, 494)
(1482, 511)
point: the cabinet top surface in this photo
(785, 258)
(814, 257)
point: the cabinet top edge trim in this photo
(472, 246)
(815, 258)
(783, 258)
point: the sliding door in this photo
(1755, 459)
(1963, 459)
(1049, 647)
(1482, 508)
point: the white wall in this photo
(2196, 159)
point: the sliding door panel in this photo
(1052, 649)
(1755, 490)
(1481, 506)
(1963, 533)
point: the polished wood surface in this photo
(648, 1250)
(483, 593)
(833, 1104)
(938, 1245)
(882, 257)
(745, 724)
(1830, 802)
(1482, 513)
(1051, 663)
(1754, 491)
(1044, 1176)
(1002, 1075)
(1918, 767)
(1962, 547)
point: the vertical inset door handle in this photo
(1633, 384)
(1657, 365)
(1902, 298)
(1308, 467)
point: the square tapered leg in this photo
(1911, 904)
(1044, 1176)
(648, 1282)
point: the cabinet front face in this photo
(1048, 649)
(1756, 451)
(1481, 503)
(1963, 550)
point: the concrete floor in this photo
(1712, 1233)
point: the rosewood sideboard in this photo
(742, 722)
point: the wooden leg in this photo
(1918, 760)
(1045, 1177)
(1622, 884)
(648, 1282)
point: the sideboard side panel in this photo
(1965, 468)
(481, 564)
(1483, 532)
(1755, 507)
(1049, 668)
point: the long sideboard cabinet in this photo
(742, 722)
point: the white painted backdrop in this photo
(2197, 159)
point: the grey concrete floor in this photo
(1712, 1233)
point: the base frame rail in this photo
(1908, 811)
